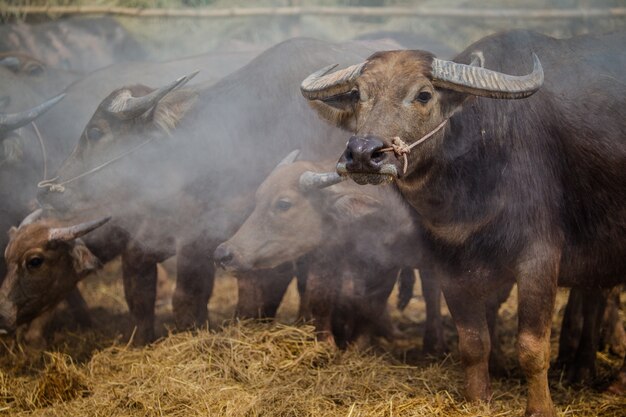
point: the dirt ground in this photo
(260, 368)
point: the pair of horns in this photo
(470, 79)
(311, 180)
(127, 107)
(68, 233)
(12, 121)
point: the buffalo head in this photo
(395, 98)
(44, 260)
(298, 209)
(125, 120)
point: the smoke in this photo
(188, 169)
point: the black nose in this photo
(223, 255)
(363, 154)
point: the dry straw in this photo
(261, 369)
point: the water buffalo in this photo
(21, 158)
(301, 211)
(45, 261)
(39, 77)
(529, 191)
(213, 145)
(73, 44)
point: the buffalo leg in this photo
(537, 284)
(571, 328)
(261, 292)
(370, 294)
(468, 309)
(406, 285)
(139, 272)
(584, 365)
(433, 332)
(496, 357)
(322, 298)
(302, 273)
(612, 334)
(194, 284)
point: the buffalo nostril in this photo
(377, 156)
(348, 155)
(223, 255)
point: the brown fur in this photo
(27, 290)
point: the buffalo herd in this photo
(345, 165)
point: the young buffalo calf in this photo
(304, 213)
(45, 260)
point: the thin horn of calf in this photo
(321, 84)
(32, 217)
(315, 180)
(129, 107)
(9, 122)
(487, 83)
(66, 234)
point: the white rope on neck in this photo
(400, 148)
(60, 187)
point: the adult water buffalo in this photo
(73, 44)
(303, 211)
(38, 76)
(202, 150)
(531, 191)
(21, 158)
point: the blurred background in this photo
(165, 32)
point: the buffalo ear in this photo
(354, 207)
(171, 109)
(338, 110)
(84, 261)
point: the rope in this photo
(60, 187)
(44, 154)
(401, 149)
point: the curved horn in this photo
(32, 217)
(289, 159)
(128, 107)
(66, 234)
(9, 122)
(321, 84)
(487, 83)
(315, 180)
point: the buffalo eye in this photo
(423, 97)
(94, 133)
(34, 262)
(283, 205)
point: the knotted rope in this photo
(401, 149)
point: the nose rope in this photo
(400, 148)
(42, 146)
(60, 187)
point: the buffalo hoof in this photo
(143, 336)
(434, 344)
